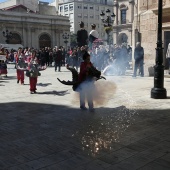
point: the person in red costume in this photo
(33, 72)
(20, 66)
(86, 81)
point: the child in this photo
(33, 72)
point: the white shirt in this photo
(94, 33)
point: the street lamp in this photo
(158, 91)
(7, 35)
(110, 18)
(66, 37)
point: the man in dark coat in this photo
(82, 35)
(57, 55)
(139, 58)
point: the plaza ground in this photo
(48, 131)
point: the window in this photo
(79, 6)
(91, 7)
(91, 16)
(85, 16)
(65, 8)
(85, 7)
(71, 7)
(123, 16)
(61, 8)
(79, 15)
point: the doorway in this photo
(166, 42)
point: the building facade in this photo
(86, 11)
(145, 29)
(123, 25)
(32, 24)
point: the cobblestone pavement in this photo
(48, 131)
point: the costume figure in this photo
(84, 81)
(33, 72)
(20, 66)
(82, 35)
(139, 58)
(93, 35)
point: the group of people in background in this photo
(103, 57)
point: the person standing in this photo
(33, 72)
(168, 56)
(82, 35)
(20, 66)
(86, 80)
(74, 56)
(93, 35)
(58, 59)
(139, 59)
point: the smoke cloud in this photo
(103, 91)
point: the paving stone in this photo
(45, 130)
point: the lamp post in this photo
(7, 35)
(66, 37)
(108, 21)
(158, 91)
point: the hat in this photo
(93, 25)
(81, 24)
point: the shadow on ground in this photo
(43, 84)
(58, 93)
(35, 136)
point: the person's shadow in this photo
(44, 84)
(58, 93)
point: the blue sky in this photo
(41, 0)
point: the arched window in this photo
(44, 41)
(15, 39)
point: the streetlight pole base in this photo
(158, 93)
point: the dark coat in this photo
(82, 37)
(57, 56)
(139, 53)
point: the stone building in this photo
(86, 11)
(122, 28)
(145, 29)
(32, 23)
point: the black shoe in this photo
(83, 108)
(17, 81)
(35, 92)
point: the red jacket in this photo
(84, 71)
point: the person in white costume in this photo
(93, 35)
